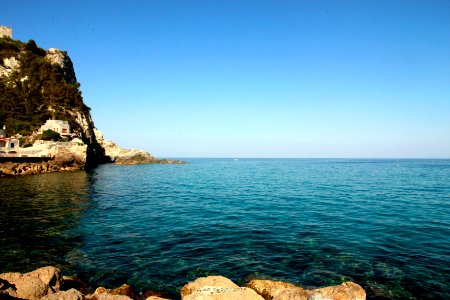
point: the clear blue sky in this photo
(256, 78)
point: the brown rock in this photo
(70, 282)
(124, 290)
(217, 288)
(152, 295)
(345, 291)
(34, 285)
(156, 298)
(106, 297)
(277, 290)
(217, 281)
(7, 289)
(71, 294)
(272, 289)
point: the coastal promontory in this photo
(45, 126)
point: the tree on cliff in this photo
(50, 135)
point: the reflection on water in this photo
(37, 218)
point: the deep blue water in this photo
(384, 224)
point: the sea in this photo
(382, 223)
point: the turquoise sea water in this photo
(384, 224)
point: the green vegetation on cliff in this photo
(36, 90)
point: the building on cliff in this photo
(8, 145)
(5, 31)
(59, 126)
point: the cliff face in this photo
(36, 85)
(61, 58)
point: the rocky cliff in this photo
(38, 84)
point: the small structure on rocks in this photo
(5, 31)
(59, 126)
(8, 145)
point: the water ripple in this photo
(381, 223)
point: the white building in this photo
(9, 145)
(59, 126)
(5, 31)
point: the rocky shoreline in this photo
(72, 156)
(48, 283)
(10, 169)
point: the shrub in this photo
(50, 135)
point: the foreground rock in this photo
(33, 285)
(125, 291)
(277, 290)
(217, 288)
(71, 294)
(48, 284)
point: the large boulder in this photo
(32, 285)
(217, 288)
(277, 290)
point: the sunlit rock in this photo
(217, 288)
(277, 290)
(33, 285)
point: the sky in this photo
(307, 79)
